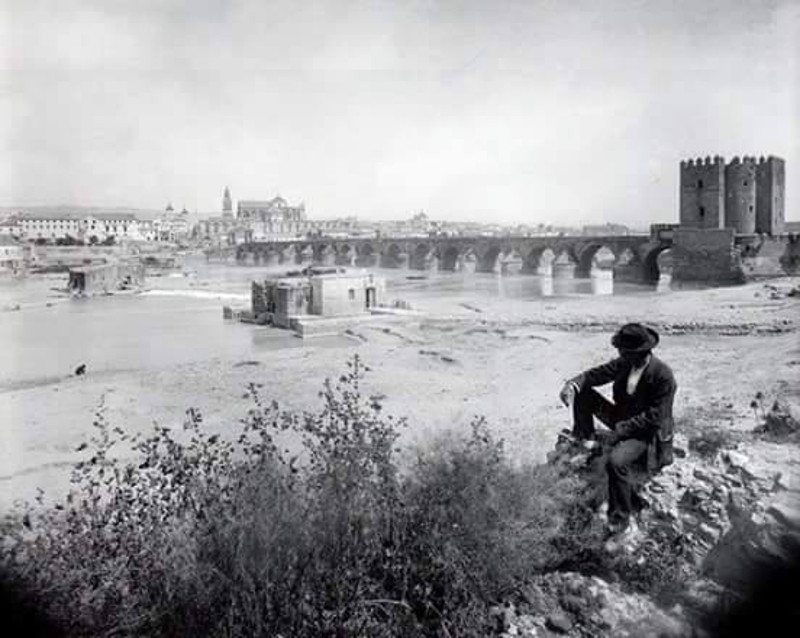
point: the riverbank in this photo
(467, 355)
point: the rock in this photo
(780, 421)
(786, 513)
(736, 461)
(572, 603)
(534, 598)
(502, 617)
(559, 622)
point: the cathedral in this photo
(257, 220)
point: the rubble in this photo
(715, 518)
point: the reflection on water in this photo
(522, 286)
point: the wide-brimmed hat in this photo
(634, 337)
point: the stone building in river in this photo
(320, 292)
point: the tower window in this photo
(702, 212)
(699, 183)
(745, 183)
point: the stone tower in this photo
(702, 197)
(227, 203)
(770, 195)
(740, 195)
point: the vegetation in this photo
(303, 525)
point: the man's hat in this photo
(634, 337)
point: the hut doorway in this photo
(370, 297)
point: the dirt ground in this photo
(503, 359)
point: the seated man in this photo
(640, 416)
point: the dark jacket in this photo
(647, 413)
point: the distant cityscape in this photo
(252, 220)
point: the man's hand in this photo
(568, 392)
(611, 438)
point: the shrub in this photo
(303, 525)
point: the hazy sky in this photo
(530, 111)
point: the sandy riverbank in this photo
(501, 358)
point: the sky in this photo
(530, 111)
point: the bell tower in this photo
(227, 203)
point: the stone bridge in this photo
(632, 257)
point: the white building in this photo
(13, 255)
(50, 225)
(97, 227)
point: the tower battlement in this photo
(747, 194)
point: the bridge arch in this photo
(628, 266)
(325, 254)
(565, 262)
(449, 258)
(394, 256)
(366, 255)
(421, 257)
(489, 259)
(268, 255)
(538, 261)
(656, 262)
(345, 255)
(511, 261)
(468, 260)
(591, 255)
(304, 254)
(287, 254)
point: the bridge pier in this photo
(367, 260)
(304, 257)
(629, 273)
(347, 260)
(397, 260)
(270, 258)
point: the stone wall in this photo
(765, 256)
(706, 255)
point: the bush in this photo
(301, 526)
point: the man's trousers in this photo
(626, 461)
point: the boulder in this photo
(781, 420)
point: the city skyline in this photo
(523, 112)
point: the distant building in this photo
(323, 292)
(227, 203)
(10, 227)
(606, 229)
(14, 256)
(273, 219)
(275, 210)
(747, 195)
(220, 230)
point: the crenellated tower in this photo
(740, 195)
(770, 195)
(747, 195)
(702, 197)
